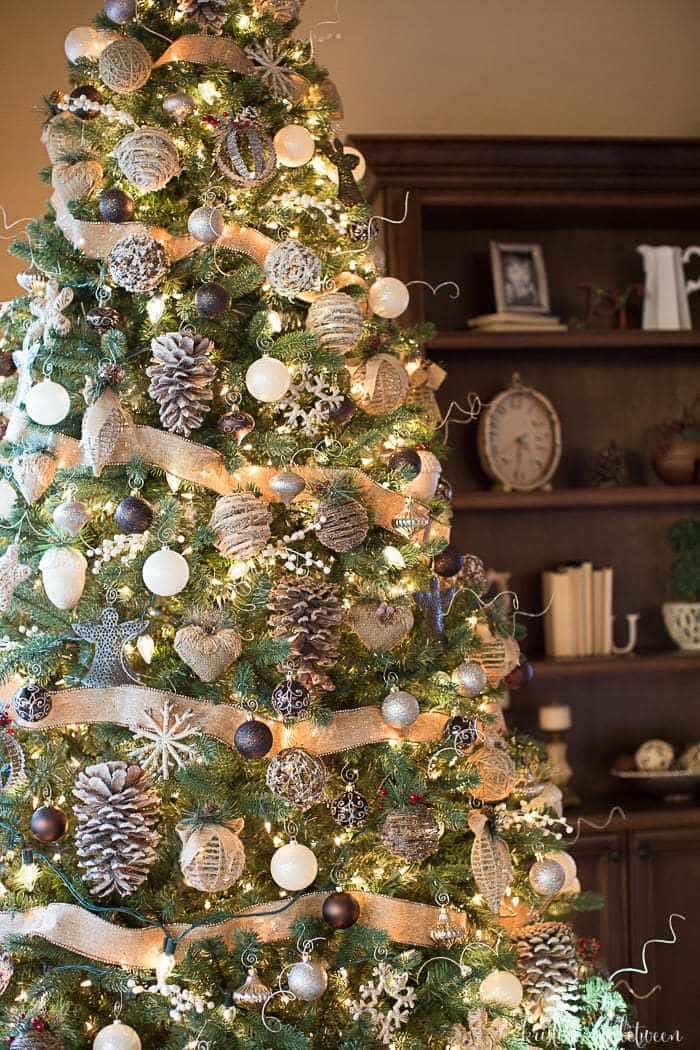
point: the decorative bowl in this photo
(682, 621)
(672, 785)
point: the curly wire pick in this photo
(372, 233)
(435, 288)
(654, 940)
(630, 990)
(10, 225)
(616, 811)
(314, 40)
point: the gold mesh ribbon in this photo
(203, 50)
(77, 930)
(125, 705)
(204, 466)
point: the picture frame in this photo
(519, 278)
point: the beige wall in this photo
(583, 67)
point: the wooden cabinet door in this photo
(602, 868)
(665, 878)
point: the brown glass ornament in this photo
(341, 910)
(49, 823)
(253, 739)
(116, 206)
(236, 424)
(449, 561)
(520, 676)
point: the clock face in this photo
(520, 439)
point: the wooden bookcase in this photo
(589, 203)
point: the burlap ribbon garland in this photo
(78, 930)
(201, 49)
(204, 466)
(125, 706)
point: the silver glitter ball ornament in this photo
(547, 877)
(470, 678)
(400, 709)
(206, 224)
(297, 777)
(287, 486)
(252, 993)
(120, 11)
(179, 105)
(292, 268)
(307, 980)
(70, 516)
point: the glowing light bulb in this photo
(209, 91)
(394, 558)
(155, 308)
(28, 872)
(146, 647)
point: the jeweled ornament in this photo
(547, 877)
(307, 980)
(351, 809)
(293, 866)
(236, 424)
(49, 823)
(341, 910)
(206, 224)
(268, 379)
(461, 731)
(166, 572)
(89, 94)
(133, 515)
(470, 678)
(290, 699)
(116, 206)
(117, 1036)
(32, 703)
(294, 146)
(47, 403)
(400, 709)
(287, 485)
(297, 777)
(179, 105)
(253, 993)
(120, 11)
(253, 739)
(212, 300)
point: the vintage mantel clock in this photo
(520, 439)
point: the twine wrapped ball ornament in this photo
(383, 385)
(292, 268)
(336, 320)
(125, 65)
(411, 832)
(297, 778)
(241, 524)
(497, 774)
(138, 263)
(37, 1039)
(342, 524)
(212, 857)
(148, 158)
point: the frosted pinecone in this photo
(181, 380)
(116, 837)
(210, 14)
(308, 614)
(548, 970)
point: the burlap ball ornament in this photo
(148, 158)
(297, 777)
(497, 774)
(383, 384)
(209, 653)
(380, 627)
(138, 263)
(411, 832)
(241, 524)
(212, 857)
(125, 65)
(336, 320)
(342, 523)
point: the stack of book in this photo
(511, 321)
(579, 604)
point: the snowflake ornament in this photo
(48, 312)
(271, 60)
(389, 984)
(308, 403)
(165, 735)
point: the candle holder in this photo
(555, 720)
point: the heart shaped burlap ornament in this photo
(209, 653)
(380, 627)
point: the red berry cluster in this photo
(37, 1023)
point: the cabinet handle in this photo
(616, 856)
(645, 853)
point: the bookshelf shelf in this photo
(632, 339)
(672, 662)
(580, 498)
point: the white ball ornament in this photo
(307, 980)
(268, 379)
(206, 224)
(568, 864)
(86, 42)
(165, 573)
(294, 146)
(117, 1036)
(47, 403)
(501, 988)
(293, 867)
(389, 297)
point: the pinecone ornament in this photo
(181, 377)
(116, 837)
(342, 523)
(611, 467)
(241, 524)
(547, 968)
(308, 614)
(210, 14)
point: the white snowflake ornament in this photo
(165, 735)
(271, 60)
(373, 1003)
(309, 402)
(48, 312)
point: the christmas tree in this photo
(258, 789)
